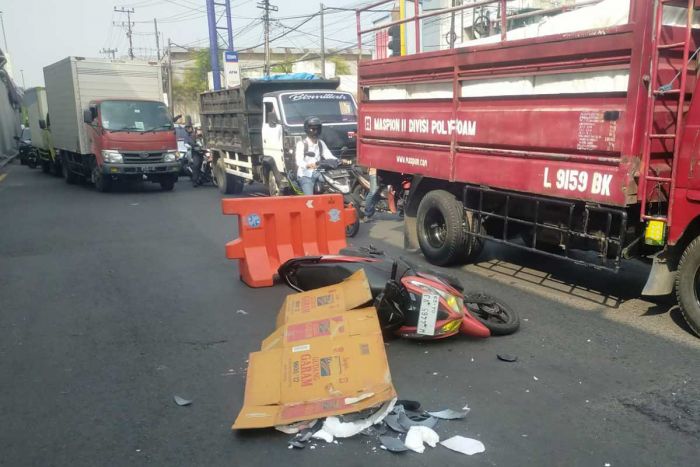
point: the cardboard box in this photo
(324, 359)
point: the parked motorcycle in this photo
(410, 303)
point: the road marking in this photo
(2, 177)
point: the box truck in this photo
(108, 122)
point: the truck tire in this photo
(102, 184)
(440, 224)
(273, 187)
(167, 184)
(69, 176)
(228, 184)
(473, 245)
(688, 285)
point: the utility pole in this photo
(129, 25)
(2, 23)
(170, 76)
(323, 46)
(24, 85)
(108, 52)
(265, 5)
(155, 24)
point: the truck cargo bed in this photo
(561, 115)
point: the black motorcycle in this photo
(201, 167)
(335, 177)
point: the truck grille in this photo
(142, 157)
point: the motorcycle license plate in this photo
(428, 314)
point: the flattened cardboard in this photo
(351, 293)
(323, 360)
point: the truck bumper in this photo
(123, 170)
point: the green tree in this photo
(194, 80)
(286, 66)
(341, 66)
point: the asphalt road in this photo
(111, 304)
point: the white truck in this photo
(109, 122)
(37, 110)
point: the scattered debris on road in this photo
(182, 402)
(464, 445)
(507, 358)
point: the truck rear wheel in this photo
(228, 184)
(70, 177)
(441, 233)
(688, 285)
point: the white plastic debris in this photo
(181, 402)
(417, 435)
(294, 428)
(241, 312)
(339, 429)
(464, 445)
(535, 378)
(324, 435)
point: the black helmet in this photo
(315, 123)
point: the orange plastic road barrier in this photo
(274, 230)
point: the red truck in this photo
(108, 122)
(561, 132)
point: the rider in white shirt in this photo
(309, 152)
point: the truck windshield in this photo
(329, 107)
(135, 116)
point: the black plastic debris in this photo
(392, 420)
(375, 431)
(507, 358)
(408, 404)
(393, 444)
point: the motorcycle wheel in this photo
(32, 160)
(352, 229)
(498, 317)
(359, 193)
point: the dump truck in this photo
(42, 145)
(252, 130)
(109, 122)
(576, 136)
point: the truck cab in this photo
(252, 129)
(284, 113)
(131, 139)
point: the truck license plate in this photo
(428, 314)
(149, 168)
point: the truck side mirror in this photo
(42, 124)
(87, 116)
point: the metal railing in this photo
(416, 18)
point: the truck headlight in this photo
(112, 157)
(170, 156)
